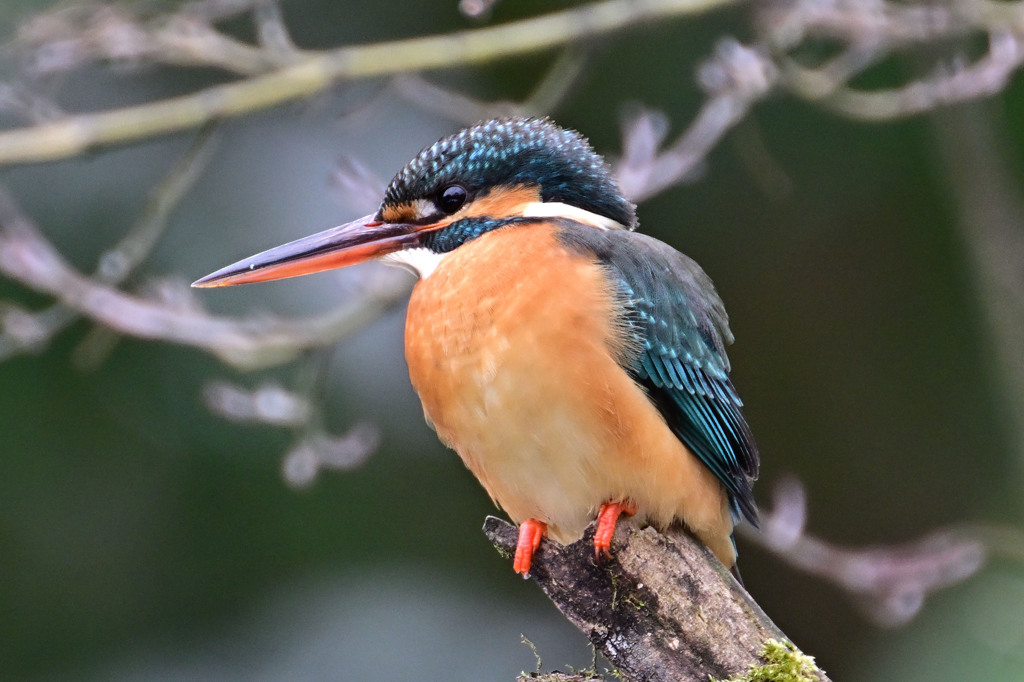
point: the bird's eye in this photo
(451, 198)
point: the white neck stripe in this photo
(556, 209)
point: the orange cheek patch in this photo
(501, 202)
(400, 213)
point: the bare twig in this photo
(889, 583)
(269, 403)
(310, 456)
(273, 33)
(22, 331)
(957, 83)
(18, 100)
(548, 93)
(27, 257)
(119, 262)
(75, 36)
(356, 183)
(313, 74)
(736, 77)
(213, 11)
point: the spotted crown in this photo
(515, 151)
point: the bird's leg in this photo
(530, 533)
(607, 517)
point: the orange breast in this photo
(513, 345)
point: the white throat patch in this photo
(420, 261)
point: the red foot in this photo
(607, 517)
(530, 533)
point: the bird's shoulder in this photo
(672, 302)
(679, 323)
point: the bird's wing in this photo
(681, 328)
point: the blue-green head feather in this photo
(515, 151)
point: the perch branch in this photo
(664, 608)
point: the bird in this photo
(576, 365)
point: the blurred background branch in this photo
(890, 584)
(193, 43)
(173, 314)
(867, 60)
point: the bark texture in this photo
(663, 609)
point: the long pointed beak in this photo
(355, 242)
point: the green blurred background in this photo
(143, 538)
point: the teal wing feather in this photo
(680, 324)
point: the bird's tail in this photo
(735, 570)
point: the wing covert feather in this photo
(679, 323)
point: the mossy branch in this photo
(664, 608)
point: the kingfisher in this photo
(577, 367)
